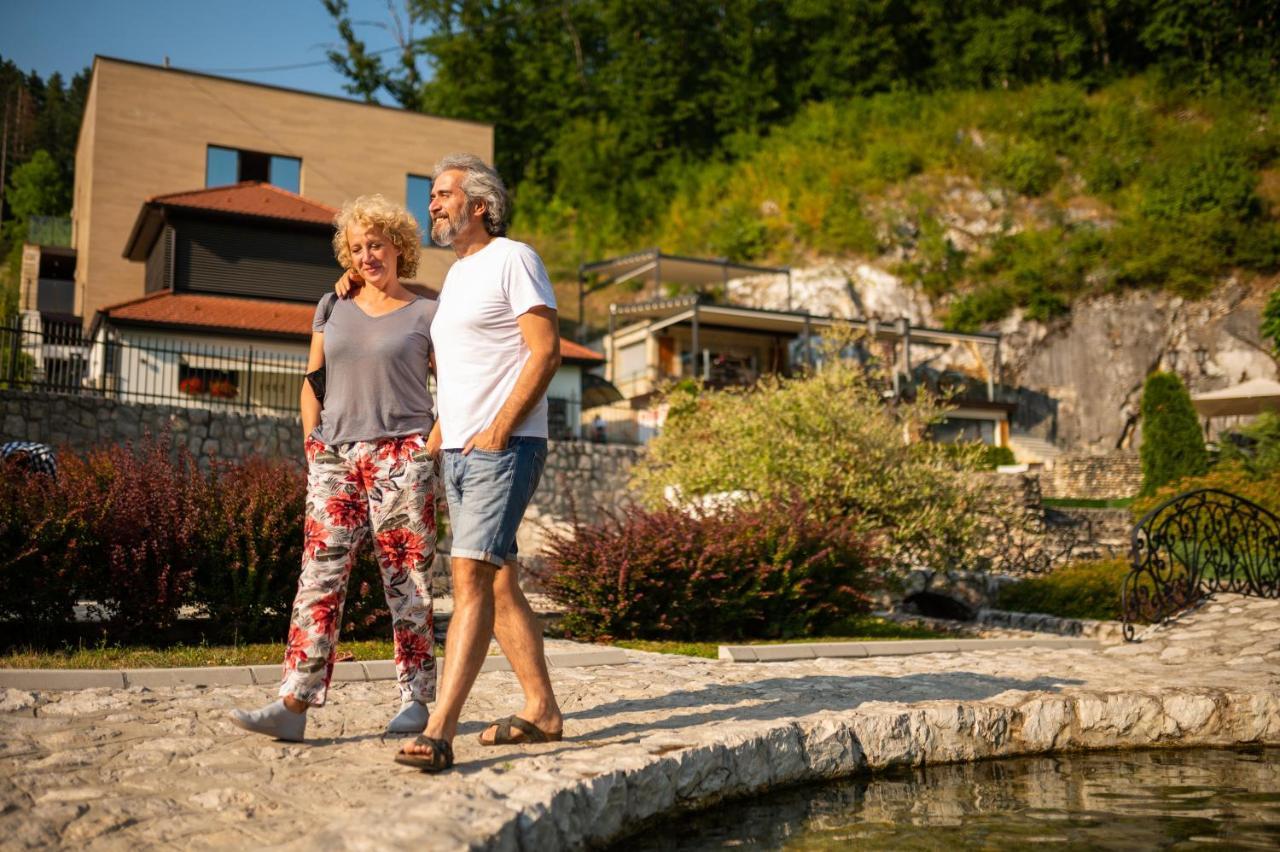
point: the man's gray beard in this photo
(446, 232)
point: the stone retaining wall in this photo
(81, 423)
(1105, 631)
(1111, 476)
(584, 479)
(579, 477)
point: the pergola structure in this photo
(654, 268)
(1247, 398)
(651, 319)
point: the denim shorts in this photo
(488, 491)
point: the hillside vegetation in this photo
(987, 200)
(1000, 153)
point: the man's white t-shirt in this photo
(479, 348)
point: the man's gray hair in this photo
(481, 183)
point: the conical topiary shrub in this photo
(1172, 446)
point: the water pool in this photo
(1173, 799)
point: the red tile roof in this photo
(216, 313)
(570, 351)
(261, 316)
(251, 198)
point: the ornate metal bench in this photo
(1193, 545)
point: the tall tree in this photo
(1172, 446)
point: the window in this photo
(225, 166)
(958, 429)
(417, 197)
(208, 383)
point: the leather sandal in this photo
(525, 732)
(440, 759)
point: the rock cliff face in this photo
(1080, 377)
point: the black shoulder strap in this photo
(329, 299)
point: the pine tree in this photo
(1172, 445)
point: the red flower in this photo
(412, 649)
(401, 547)
(326, 611)
(399, 449)
(345, 509)
(312, 447)
(296, 649)
(314, 538)
(363, 474)
(429, 513)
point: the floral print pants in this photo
(386, 488)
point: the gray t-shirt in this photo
(375, 371)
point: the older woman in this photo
(370, 450)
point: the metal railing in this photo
(1193, 545)
(49, 231)
(57, 359)
(192, 375)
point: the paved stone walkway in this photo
(145, 768)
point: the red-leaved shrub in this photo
(138, 555)
(140, 531)
(753, 571)
(37, 529)
(251, 539)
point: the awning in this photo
(259, 362)
(1251, 397)
(656, 267)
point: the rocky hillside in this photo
(1080, 374)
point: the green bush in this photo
(1255, 447)
(1080, 590)
(829, 439)
(751, 571)
(891, 161)
(1028, 167)
(1172, 445)
(1271, 320)
(994, 457)
(1233, 477)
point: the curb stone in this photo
(261, 675)
(889, 648)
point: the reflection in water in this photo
(1175, 799)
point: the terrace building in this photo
(148, 131)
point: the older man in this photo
(497, 347)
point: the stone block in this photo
(571, 659)
(737, 653)
(61, 679)
(266, 675)
(495, 663)
(779, 653)
(892, 648)
(207, 676)
(348, 672)
(838, 649)
(379, 669)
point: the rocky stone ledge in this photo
(163, 767)
(597, 796)
(1104, 631)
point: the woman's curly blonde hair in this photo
(400, 225)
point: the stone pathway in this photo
(146, 768)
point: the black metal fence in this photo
(1193, 545)
(192, 374)
(57, 359)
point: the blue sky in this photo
(231, 38)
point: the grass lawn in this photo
(1085, 503)
(176, 656)
(862, 629)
